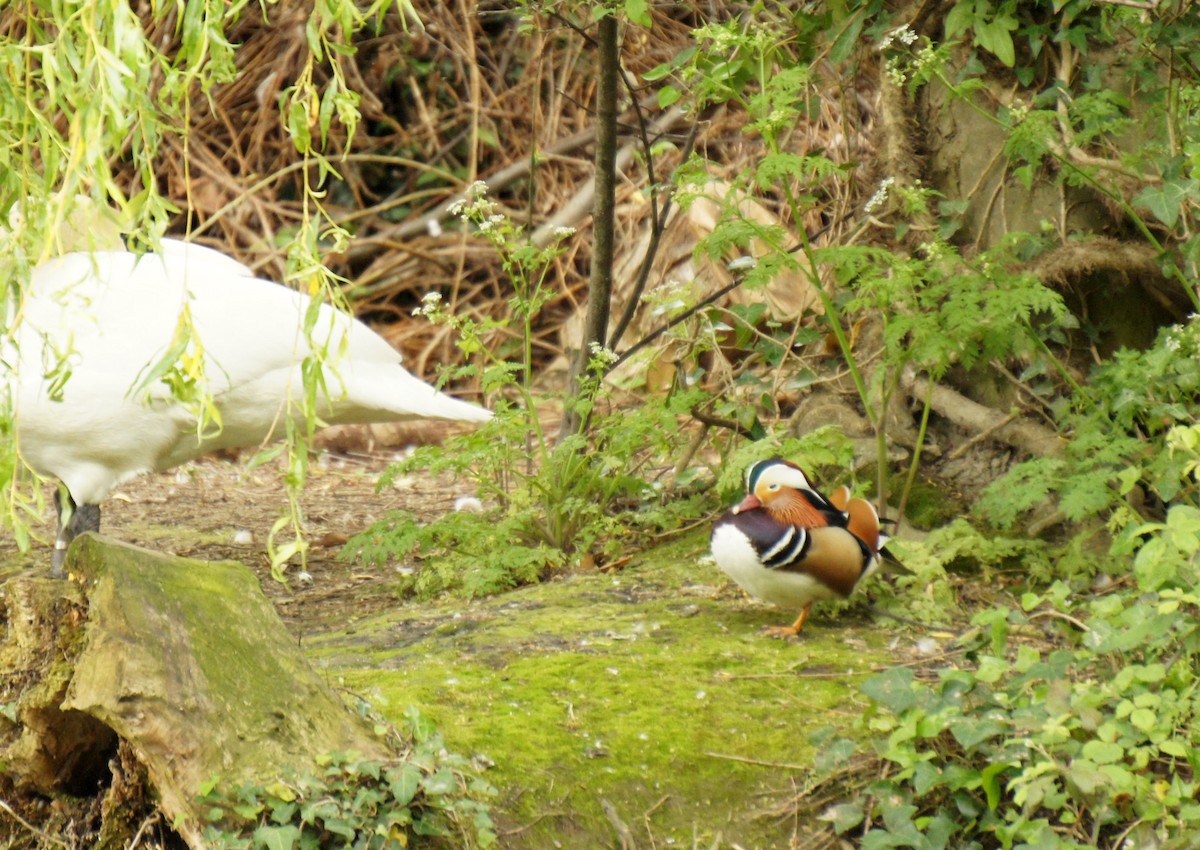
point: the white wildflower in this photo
(491, 223)
(563, 232)
(433, 297)
(478, 189)
(456, 208)
(881, 194)
(600, 353)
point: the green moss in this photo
(650, 689)
(930, 506)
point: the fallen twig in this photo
(623, 833)
(44, 835)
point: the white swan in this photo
(105, 320)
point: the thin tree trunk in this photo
(595, 327)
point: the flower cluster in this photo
(474, 205)
(601, 354)
(881, 194)
(431, 302)
(902, 34)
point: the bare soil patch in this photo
(217, 509)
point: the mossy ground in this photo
(649, 689)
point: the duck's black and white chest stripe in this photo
(775, 544)
(764, 558)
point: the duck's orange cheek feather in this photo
(799, 512)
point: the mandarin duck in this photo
(788, 544)
(98, 334)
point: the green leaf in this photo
(441, 782)
(276, 837)
(667, 96)
(989, 778)
(1174, 747)
(960, 18)
(1144, 719)
(659, 72)
(847, 40)
(971, 731)
(995, 36)
(892, 689)
(1102, 752)
(844, 816)
(1085, 776)
(1166, 201)
(638, 12)
(991, 669)
(404, 784)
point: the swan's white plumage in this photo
(113, 315)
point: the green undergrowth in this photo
(646, 696)
(428, 797)
(1067, 720)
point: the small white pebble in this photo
(927, 646)
(468, 503)
(701, 694)
(434, 227)
(243, 537)
(612, 671)
(182, 477)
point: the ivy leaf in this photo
(959, 19)
(843, 817)
(990, 780)
(996, 37)
(892, 689)
(971, 732)
(276, 837)
(1166, 201)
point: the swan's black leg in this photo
(73, 520)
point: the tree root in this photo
(983, 421)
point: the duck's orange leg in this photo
(788, 631)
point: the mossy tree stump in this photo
(183, 663)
